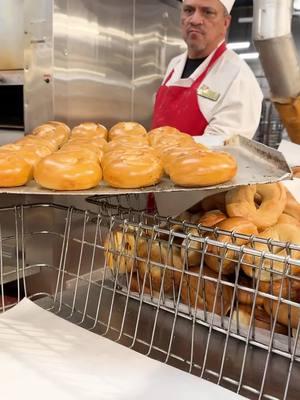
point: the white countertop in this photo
(10, 135)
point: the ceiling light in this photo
(238, 45)
(249, 56)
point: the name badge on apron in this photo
(207, 93)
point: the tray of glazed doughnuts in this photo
(231, 262)
(91, 160)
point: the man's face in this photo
(204, 24)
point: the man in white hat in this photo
(209, 90)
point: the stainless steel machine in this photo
(96, 60)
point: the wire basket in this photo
(142, 280)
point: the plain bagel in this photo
(240, 202)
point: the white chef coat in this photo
(238, 107)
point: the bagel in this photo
(287, 288)
(14, 170)
(280, 233)
(120, 251)
(240, 202)
(288, 315)
(167, 258)
(213, 202)
(296, 171)
(261, 319)
(288, 219)
(292, 206)
(246, 297)
(191, 249)
(202, 292)
(212, 218)
(214, 253)
(67, 171)
(127, 128)
(132, 170)
(202, 168)
(136, 286)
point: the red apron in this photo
(178, 106)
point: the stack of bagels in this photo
(220, 276)
(125, 157)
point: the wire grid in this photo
(271, 127)
(87, 277)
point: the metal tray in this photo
(257, 163)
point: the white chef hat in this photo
(228, 4)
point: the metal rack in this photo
(270, 130)
(72, 249)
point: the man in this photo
(209, 90)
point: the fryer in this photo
(58, 257)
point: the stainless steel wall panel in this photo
(90, 60)
(98, 66)
(38, 62)
(156, 41)
(11, 34)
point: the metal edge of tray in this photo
(270, 156)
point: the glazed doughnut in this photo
(87, 129)
(164, 130)
(47, 131)
(120, 252)
(14, 170)
(67, 171)
(240, 203)
(261, 319)
(168, 257)
(292, 207)
(132, 170)
(127, 128)
(202, 168)
(93, 141)
(115, 145)
(130, 140)
(288, 315)
(168, 154)
(201, 292)
(60, 125)
(281, 233)
(156, 134)
(50, 143)
(82, 152)
(214, 253)
(45, 128)
(25, 152)
(162, 141)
